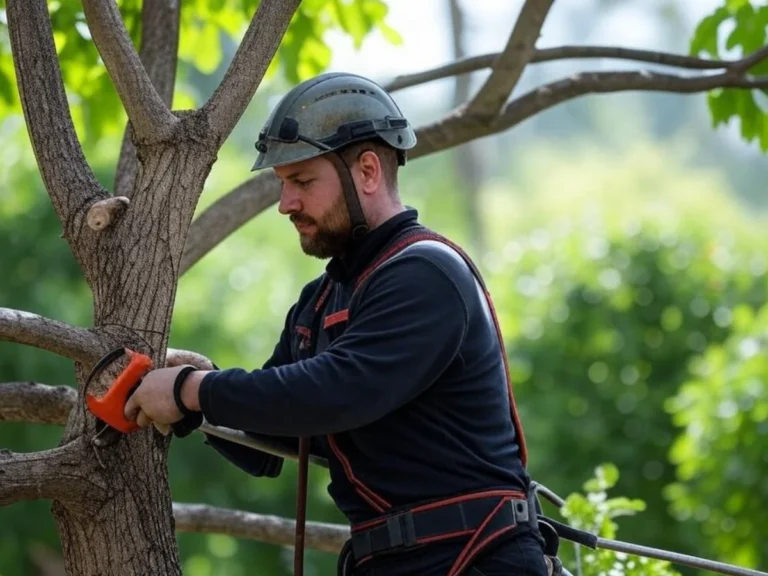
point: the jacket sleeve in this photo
(403, 332)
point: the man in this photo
(391, 361)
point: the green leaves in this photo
(705, 37)
(303, 53)
(595, 512)
(748, 24)
(720, 456)
(210, 32)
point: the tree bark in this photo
(132, 531)
(133, 266)
(158, 54)
(136, 274)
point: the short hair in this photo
(387, 156)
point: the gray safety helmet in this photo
(322, 116)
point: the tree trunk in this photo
(135, 274)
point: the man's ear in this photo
(370, 171)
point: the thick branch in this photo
(160, 44)
(60, 338)
(56, 474)
(247, 69)
(65, 172)
(458, 128)
(270, 529)
(227, 214)
(474, 63)
(159, 52)
(510, 64)
(150, 118)
(36, 403)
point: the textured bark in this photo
(270, 529)
(66, 174)
(136, 273)
(36, 403)
(52, 474)
(158, 53)
(134, 267)
(139, 264)
(132, 531)
(26, 328)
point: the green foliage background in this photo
(630, 283)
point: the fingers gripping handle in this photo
(110, 407)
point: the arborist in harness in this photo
(391, 364)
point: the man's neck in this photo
(386, 213)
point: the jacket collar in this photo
(348, 266)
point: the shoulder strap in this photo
(424, 234)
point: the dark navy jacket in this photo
(411, 386)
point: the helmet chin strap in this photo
(356, 216)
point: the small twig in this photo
(543, 55)
(743, 65)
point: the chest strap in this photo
(424, 234)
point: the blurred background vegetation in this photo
(623, 237)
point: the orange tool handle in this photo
(110, 408)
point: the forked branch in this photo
(150, 118)
(158, 53)
(459, 128)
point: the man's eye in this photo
(304, 183)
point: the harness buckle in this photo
(520, 511)
(401, 530)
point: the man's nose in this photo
(289, 201)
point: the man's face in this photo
(313, 199)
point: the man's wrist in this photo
(190, 391)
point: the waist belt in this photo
(484, 516)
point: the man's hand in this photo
(153, 402)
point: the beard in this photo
(331, 233)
